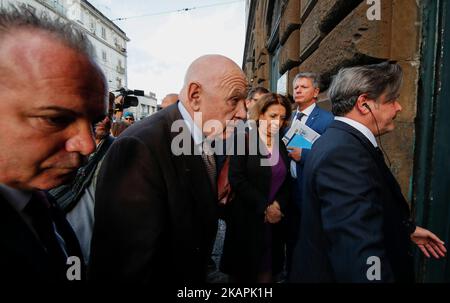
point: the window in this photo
(274, 70)
(92, 25)
(104, 56)
(81, 16)
(103, 33)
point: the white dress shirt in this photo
(195, 131)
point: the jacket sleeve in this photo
(304, 156)
(352, 214)
(283, 195)
(239, 181)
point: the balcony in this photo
(120, 70)
(120, 48)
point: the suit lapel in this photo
(312, 118)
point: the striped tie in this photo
(210, 163)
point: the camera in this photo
(126, 99)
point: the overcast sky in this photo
(162, 46)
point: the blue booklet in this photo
(300, 135)
(299, 141)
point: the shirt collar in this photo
(18, 199)
(360, 127)
(307, 111)
(197, 133)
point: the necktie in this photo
(40, 211)
(299, 116)
(223, 186)
(210, 163)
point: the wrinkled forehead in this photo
(232, 78)
(304, 81)
(55, 74)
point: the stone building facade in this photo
(284, 37)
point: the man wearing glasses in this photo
(129, 118)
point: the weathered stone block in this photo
(305, 7)
(290, 21)
(309, 31)
(356, 40)
(289, 53)
(324, 16)
(408, 91)
(405, 30)
(262, 73)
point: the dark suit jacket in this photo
(24, 258)
(156, 213)
(246, 231)
(318, 120)
(353, 209)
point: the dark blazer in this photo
(24, 258)
(155, 213)
(353, 209)
(246, 231)
(318, 120)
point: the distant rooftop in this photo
(109, 21)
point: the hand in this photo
(428, 243)
(273, 213)
(295, 154)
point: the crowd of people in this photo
(131, 208)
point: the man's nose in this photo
(241, 112)
(81, 141)
(398, 106)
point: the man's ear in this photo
(316, 92)
(363, 109)
(193, 95)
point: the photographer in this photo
(126, 98)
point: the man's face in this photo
(385, 111)
(53, 96)
(252, 101)
(129, 120)
(225, 101)
(102, 129)
(304, 92)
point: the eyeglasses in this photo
(129, 119)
